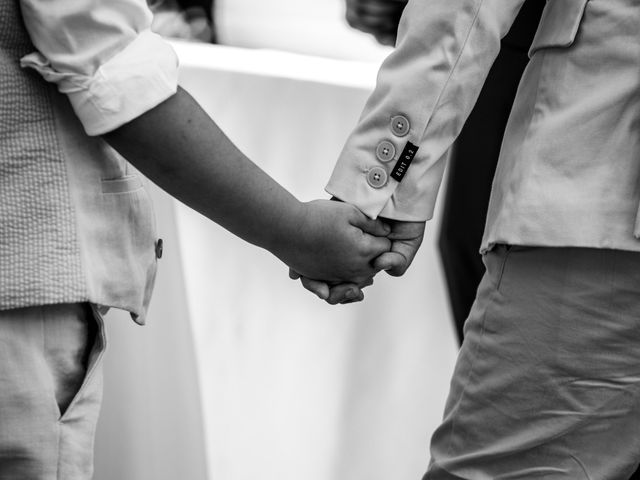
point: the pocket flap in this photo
(559, 24)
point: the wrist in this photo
(284, 234)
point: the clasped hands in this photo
(339, 250)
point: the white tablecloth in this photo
(241, 373)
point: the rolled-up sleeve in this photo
(103, 56)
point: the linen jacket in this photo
(569, 168)
(76, 223)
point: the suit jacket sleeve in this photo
(393, 162)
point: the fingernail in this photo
(351, 294)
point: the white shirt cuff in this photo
(130, 83)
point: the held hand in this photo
(406, 238)
(335, 242)
(378, 17)
(333, 293)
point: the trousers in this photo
(472, 165)
(547, 382)
(50, 391)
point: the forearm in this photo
(184, 152)
(122, 80)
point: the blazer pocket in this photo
(559, 24)
(130, 183)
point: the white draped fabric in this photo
(310, 27)
(241, 374)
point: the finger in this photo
(365, 283)
(349, 291)
(376, 25)
(406, 231)
(376, 227)
(374, 246)
(344, 292)
(293, 275)
(321, 289)
(394, 263)
(353, 19)
(388, 39)
(374, 18)
(408, 249)
(379, 23)
(359, 298)
(382, 8)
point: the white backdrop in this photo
(241, 374)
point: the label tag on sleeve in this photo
(402, 165)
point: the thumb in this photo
(372, 227)
(394, 263)
(321, 289)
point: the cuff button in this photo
(400, 125)
(159, 248)
(385, 151)
(377, 177)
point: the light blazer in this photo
(569, 168)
